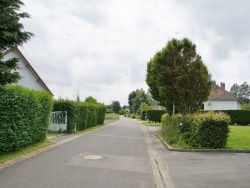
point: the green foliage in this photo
(122, 112)
(177, 74)
(11, 35)
(208, 130)
(81, 115)
(24, 116)
(70, 107)
(112, 116)
(90, 99)
(238, 117)
(155, 115)
(115, 106)
(245, 106)
(241, 91)
(136, 98)
(239, 137)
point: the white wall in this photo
(222, 105)
(28, 78)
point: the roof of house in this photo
(219, 94)
(30, 67)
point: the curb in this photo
(168, 147)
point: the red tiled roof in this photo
(30, 67)
(217, 93)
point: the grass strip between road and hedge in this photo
(22, 151)
(150, 123)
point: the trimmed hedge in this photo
(24, 116)
(208, 130)
(81, 115)
(239, 117)
(155, 115)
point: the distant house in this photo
(30, 78)
(220, 99)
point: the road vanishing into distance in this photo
(125, 154)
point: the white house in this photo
(220, 99)
(30, 78)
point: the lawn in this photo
(239, 137)
(112, 116)
(150, 123)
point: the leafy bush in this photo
(24, 116)
(155, 115)
(207, 130)
(81, 115)
(211, 130)
(245, 106)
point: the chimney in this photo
(222, 85)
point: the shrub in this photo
(207, 130)
(24, 116)
(81, 115)
(155, 115)
(211, 130)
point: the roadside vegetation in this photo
(112, 116)
(148, 123)
(239, 137)
(22, 151)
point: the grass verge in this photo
(90, 129)
(112, 116)
(150, 123)
(239, 137)
(50, 134)
(22, 151)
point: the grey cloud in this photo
(228, 19)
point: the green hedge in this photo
(24, 116)
(70, 107)
(239, 117)
(207, 130)
(81, 115)
(155, 115)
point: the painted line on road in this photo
(160, 172)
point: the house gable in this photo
(219, 94)
(220, 99)
(30, 78)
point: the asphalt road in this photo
(114, 156)
(204, 169)
(125, 154)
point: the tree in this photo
(135, 99)
(241, 91)
(131, 97)
(90, 99)
(116, 107)
(176, 74)
(11, 35)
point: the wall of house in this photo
(222, 105)
(28, 79)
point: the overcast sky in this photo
(101, 47)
